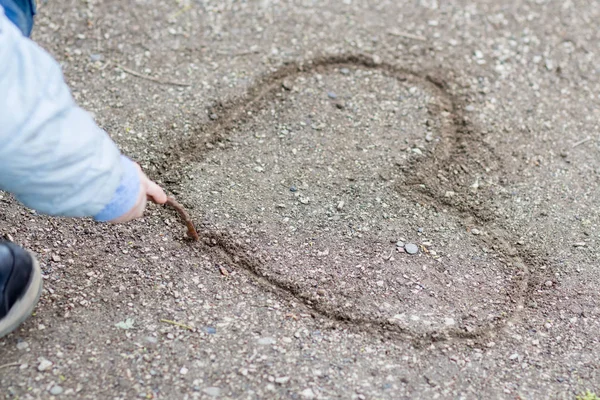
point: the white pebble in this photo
(45, 365)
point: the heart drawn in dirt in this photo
(313, 180)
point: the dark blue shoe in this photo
(20, 286)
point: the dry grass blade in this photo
(150, 78)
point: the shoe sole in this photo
(24, 307)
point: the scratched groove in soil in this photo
(358, 186)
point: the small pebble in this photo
(293, 189)
(345, 71)
(308, 394)
(266, 341)
(151, 339)
(210, 330)
(475, 231)
(212, 391)
(332, 95)
(96, 57)
(549, 283)
(22, 346)
(45, 365)
(411, 248)
(56, 390)
(399, 243)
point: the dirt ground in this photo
(314, 144)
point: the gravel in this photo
(528, 72)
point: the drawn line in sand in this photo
(457, 138)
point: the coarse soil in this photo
(310, 142)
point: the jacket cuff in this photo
(126, 195)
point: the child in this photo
(53, 157)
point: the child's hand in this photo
(149, 191)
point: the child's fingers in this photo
(155, 193)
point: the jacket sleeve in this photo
(53, 157)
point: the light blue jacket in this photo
(53, 157)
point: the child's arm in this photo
(53, 157)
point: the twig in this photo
(407, 35)
(15, 364)
(139, 75)
(587, 139)
(179, 324)
(192, 232)
(238, 54)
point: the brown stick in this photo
(192, 233)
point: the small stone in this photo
(377, 59)
(449, 321)
(475, 231)
(411, 248)
(340, 205)
(287, 85)
(345, 71)
(514, 356)
(266, 341)
(579, 244)
(56, 390)
(282, 380)
(449, 193)
(210, 330)
(308, 394)
(332, 95)
(212, 391)
(258, 168)
(96, 57)
(213, 116)
(429, 137)
(22, 346)
(549, 283)
(304, 200)
(183, 371)
(420, 230)
(293, 189)
(55, 258)
(45, 365)
(417, 150)
(399, 243)
(151, 339)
